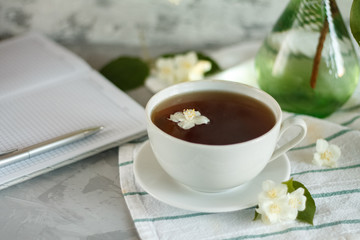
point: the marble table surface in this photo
(82, 200)
(79, 201)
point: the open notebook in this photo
(47, 91)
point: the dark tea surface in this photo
(234, 118)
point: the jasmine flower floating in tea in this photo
(188, 118)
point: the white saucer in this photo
(153, 179)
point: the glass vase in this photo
(308, 62)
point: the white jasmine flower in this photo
(166, 69)
(184, 64)
(197, 72)
(188, 118)
(297, 200)
(276, 210)
(187, 61)
(181, 68)
(181, 75)
(277, 205)
(272, 191)
(326, 154)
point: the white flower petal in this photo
(197, 113)
(177, 117)
(297, 199)
(265, 219)
(333, 164)
(201, 120)
(165, 69)
(186, 62)
(290, 214)
(330, 163)
(271, 190)
(326, 155)
(317, 159)
(191, 57)
(335, 151)
(298, 192)
(270, 211)
(186, 124)
(198, 71)
(182, 75)
(321, 145)
(160, 62)
(277, 210)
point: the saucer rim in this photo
(215, 209)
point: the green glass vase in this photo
(308, 62)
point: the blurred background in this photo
(101, 29)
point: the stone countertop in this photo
(79, 201)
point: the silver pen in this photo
(16, 155)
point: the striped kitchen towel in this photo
(336, 192)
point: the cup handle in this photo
(286, 124)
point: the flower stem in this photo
(317, 58)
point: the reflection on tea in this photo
(234, 118)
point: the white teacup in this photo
(215, 168)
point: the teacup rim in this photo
(278, 116)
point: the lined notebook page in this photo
(26, 62)
(75, 101)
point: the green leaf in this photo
(201, 56)
(126, 72)
(355, 20)
(256, 214)
(290, 185)
(308, 214)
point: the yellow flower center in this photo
(272, 193)
(166, 70)
(186, 65)
(189, 113)
(326, 155)
(294, 202)
(274, 208)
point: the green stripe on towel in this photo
(338, 134)
(134, 193)
(331, 194)
(126, 163)
(326, 170)
(350, 121)
(164, 218)
(305, 228)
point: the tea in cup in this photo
(214, 135)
